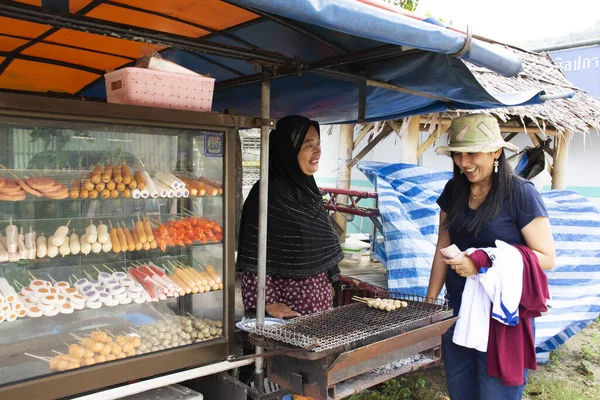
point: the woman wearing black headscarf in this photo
(303, 250)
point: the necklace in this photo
(482, 194)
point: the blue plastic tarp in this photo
(407, 197)
(364, 19)
(347, 27)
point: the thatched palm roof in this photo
(578, 114)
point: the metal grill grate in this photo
(345, 325)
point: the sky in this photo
(511, 21)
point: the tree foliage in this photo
(410, 5)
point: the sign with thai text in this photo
(581, 65)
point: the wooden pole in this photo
(410, 141)
(344, 172)
(384, 133)
(561, 158)
(431, 139)
(366, 129)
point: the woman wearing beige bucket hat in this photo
(482, 203)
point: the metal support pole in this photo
(265, 98)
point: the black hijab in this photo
(301, 241)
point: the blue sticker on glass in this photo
(213, 145)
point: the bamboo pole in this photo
(410, 141)
(431, 139)
(561, 158)
(344, 173)
(363, 132)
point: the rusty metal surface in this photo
(363, 359)
(350, 324)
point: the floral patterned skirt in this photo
(306, 296)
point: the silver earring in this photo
(496, 163)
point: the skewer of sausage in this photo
(129, 237)
(211, 271)
(102, 233)
(123, 239)
(114, 238)
(136, 240)
(117, 175)
(141, 232)
(12, 237)
(41, 246)
(96, 174)
(107, 175)
(139, 179)
(28, 189)
(20, 185)
(21, 245)
(126, 172)
(75, 189)
(148, 230)
(88, 185)
(30, 244)
(212, 183)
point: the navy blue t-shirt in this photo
(526, 205)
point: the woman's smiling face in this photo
(477, 167)
(310, 152)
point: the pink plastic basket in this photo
(151, 88)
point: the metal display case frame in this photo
(39, 110)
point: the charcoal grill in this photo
(327, 348)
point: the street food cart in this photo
(127, 211)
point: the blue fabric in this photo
(407, 251)
(525, 206)
(329, 100)
(360, 19)
(466, 374)
(522, 164)
(332, 101)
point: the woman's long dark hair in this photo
(501, 189)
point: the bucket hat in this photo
(473, 134)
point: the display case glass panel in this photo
(111, 246)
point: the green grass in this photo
(550, 388)
(572, 374)
(417, 386)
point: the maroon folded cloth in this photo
(511, 349)
(481, 259)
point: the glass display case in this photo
(116, 247)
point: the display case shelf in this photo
(51, 335)
(76, 182)
(165, 229)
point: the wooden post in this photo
(431, 139)
(561, 157)
(410, 141)
(344, 172)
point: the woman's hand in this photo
(280, 310)
(463, 266)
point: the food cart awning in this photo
(334, 61)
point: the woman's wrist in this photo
(480, 259)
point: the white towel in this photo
(500, 285)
